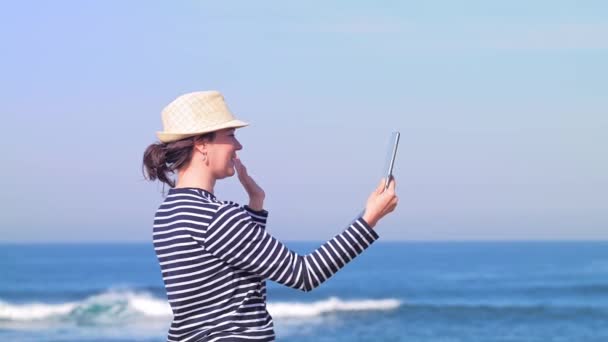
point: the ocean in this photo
(395, 291)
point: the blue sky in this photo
(502, 106)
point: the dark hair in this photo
(163, 159)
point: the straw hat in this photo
(196, 113)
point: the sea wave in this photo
(127, 306)
(332, 304)
(104, 307)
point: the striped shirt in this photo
(216, 255)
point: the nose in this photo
(238, 146)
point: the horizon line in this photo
(127, 242)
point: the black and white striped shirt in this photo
(216, 255)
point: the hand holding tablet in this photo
(383, 200)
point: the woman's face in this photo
(221, 151)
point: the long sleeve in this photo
(258, 217)
(237, 236)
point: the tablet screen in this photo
(392, 154)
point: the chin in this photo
(231, 172)
(227, 174)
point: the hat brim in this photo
(170, 137)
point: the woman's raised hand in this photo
(380, 202)
(255, 192)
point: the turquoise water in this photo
(401, 291)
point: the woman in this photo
(216, 255)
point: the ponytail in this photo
(163, 159)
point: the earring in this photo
(204, 156)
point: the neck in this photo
(195, 178)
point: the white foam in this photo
(104, 307)
(332, 304)
(33, 311)
(150, 306)
(113, 305)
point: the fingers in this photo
(394, 202)
(241, 171)
(390, 207)
(391, 199)
(240, 168)
(238, 164)
(390, 191)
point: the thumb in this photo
(380, 187)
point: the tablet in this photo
(394, 142)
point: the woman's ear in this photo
(201, 146)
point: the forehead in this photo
(227, 130)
